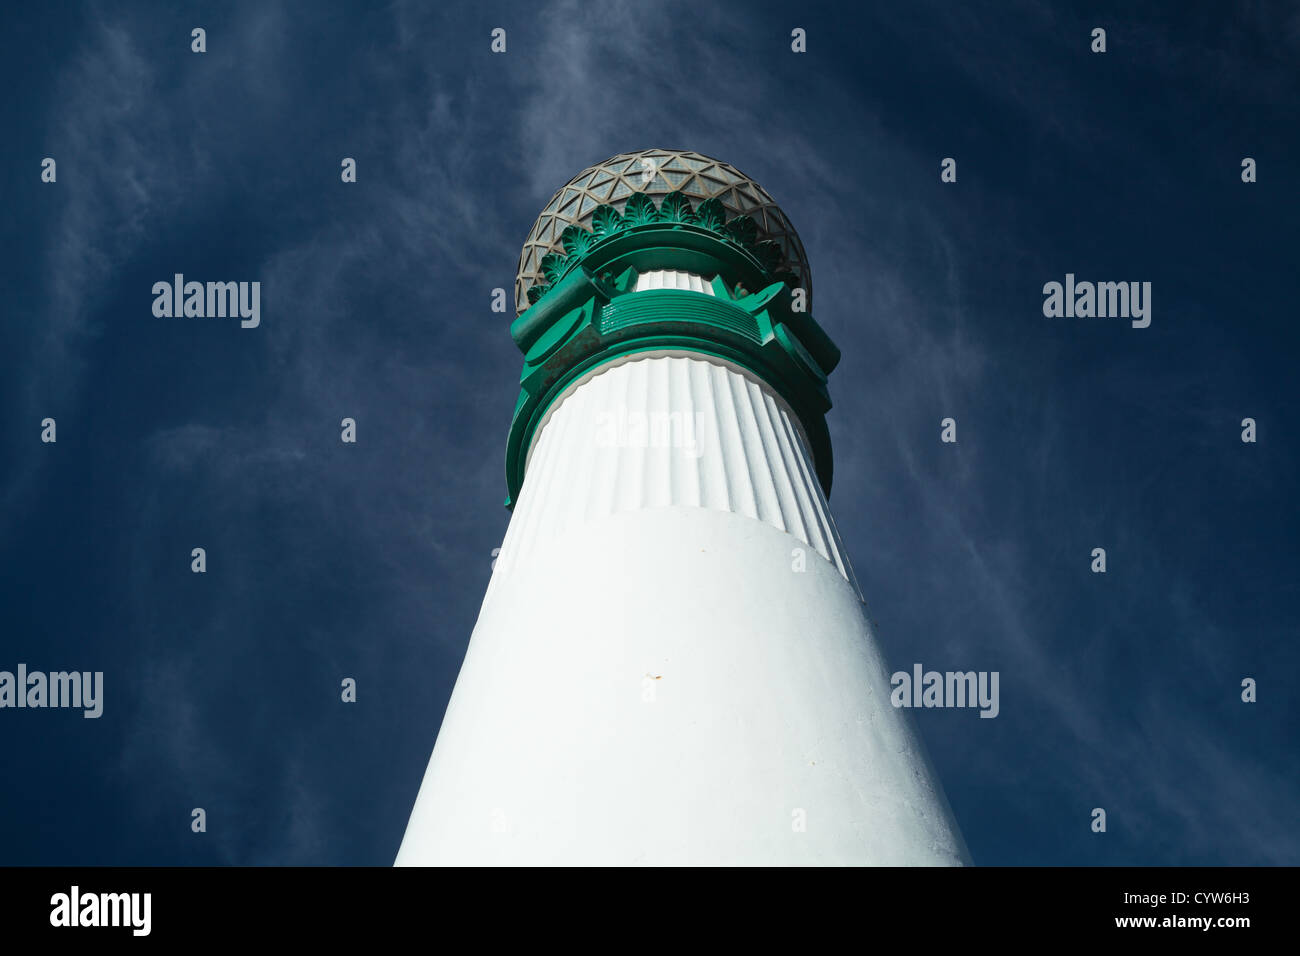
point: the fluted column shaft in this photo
(672, 664)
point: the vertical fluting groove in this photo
(718, 497)
(603, 388)
(749, 457)
(758, 462)
(622, 486)
(602, 480)
(740, 484)
(841, 556)
(675, 438)
(687, 459)
(537, 500)
(518, 532)
(814, 489)
(791, 519)
(588, 459)
(791, 453)
(631, 480)
(543, 507)
(816, 527)
(659, 457)
(672, 279)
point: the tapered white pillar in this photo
(672, 664)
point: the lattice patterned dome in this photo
(656, 172)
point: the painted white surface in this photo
(670, 429)
(672, 279)
(651, 680)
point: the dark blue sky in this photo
(328, 560)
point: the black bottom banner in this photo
(333, 906)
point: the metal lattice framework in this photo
(655, 172)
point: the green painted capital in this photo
(586, 314)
